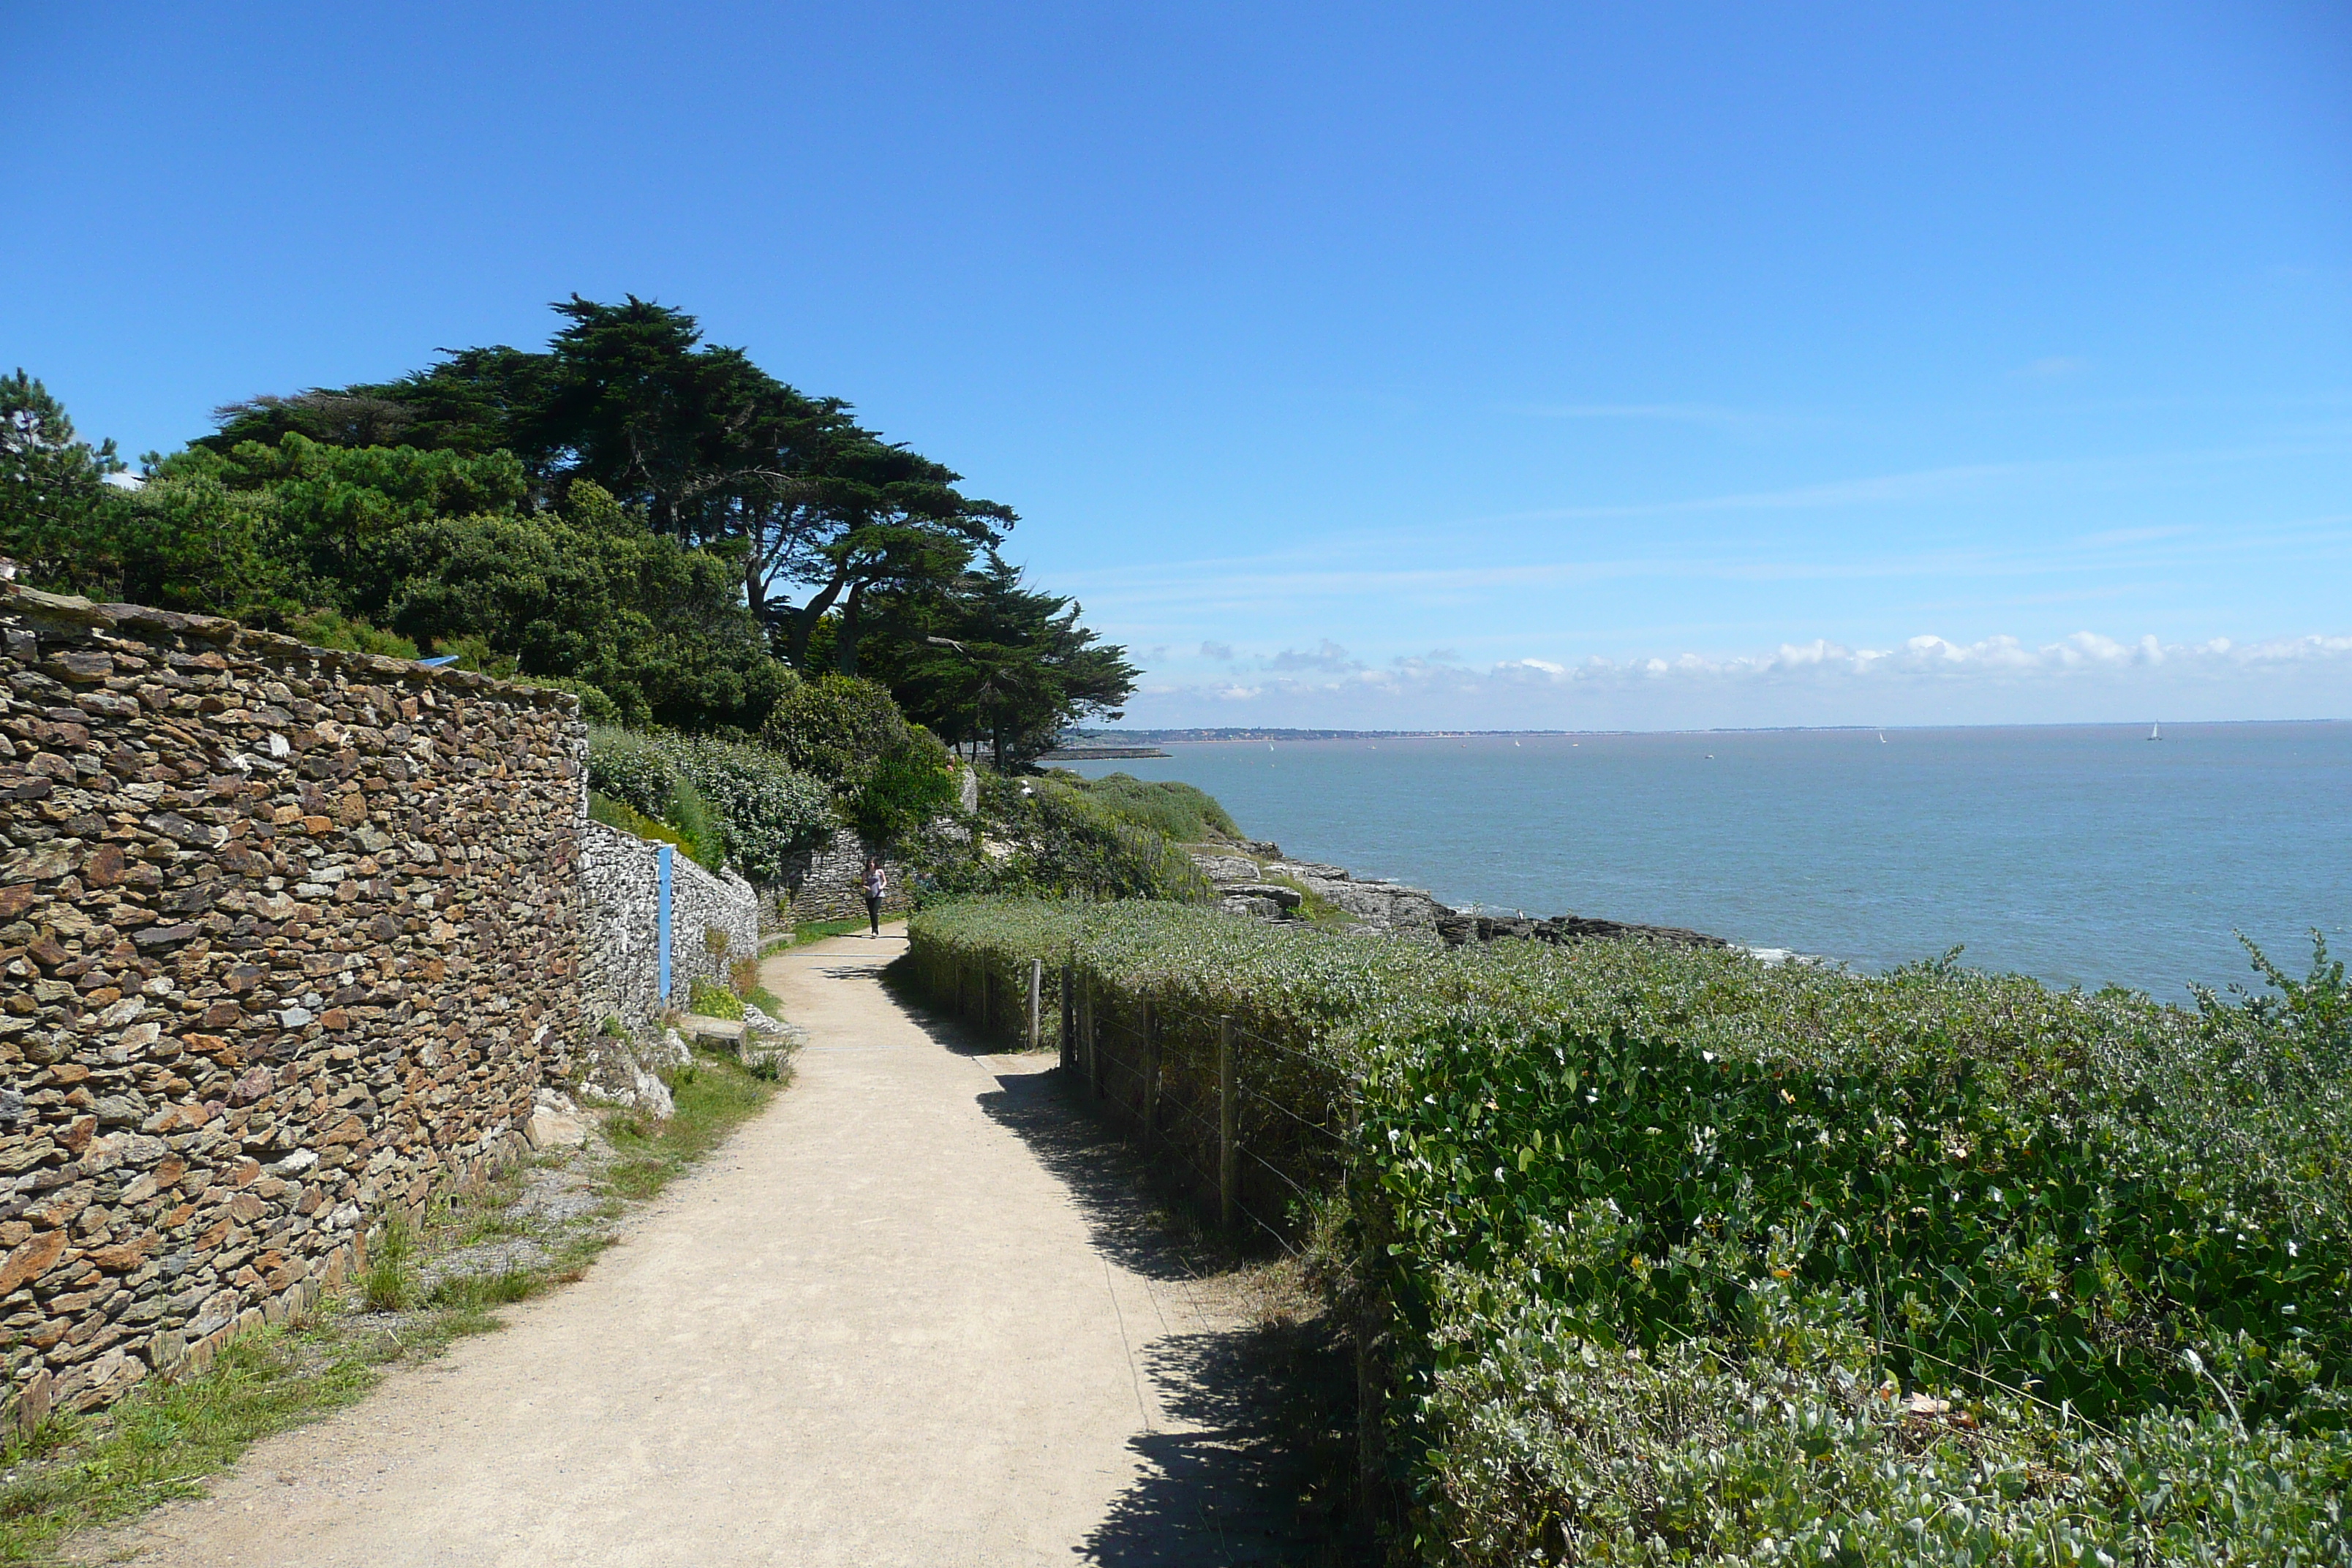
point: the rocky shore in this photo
(1257, 880)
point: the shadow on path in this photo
(1230, 1493)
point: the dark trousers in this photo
(873, 912)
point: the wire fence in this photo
(1255, 1127)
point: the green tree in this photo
(997, 662)
(712, 449)
(52, 485)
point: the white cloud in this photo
(1325, 655)
(1925, 679)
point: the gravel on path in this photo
(885, 1324)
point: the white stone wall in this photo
(620, 963)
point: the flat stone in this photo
(725, 1033)
(553, 1130)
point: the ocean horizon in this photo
(2082, 855)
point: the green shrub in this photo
(1062, 843)
(838, 728)
(904, 791)
(325, 628)
(1665, 1241)
(632, 767)
(770, 810)
(604, 808)
(1183, 812)
(740, 802)
(714, 1000)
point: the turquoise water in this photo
(2083, 856)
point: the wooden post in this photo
(1093, 1045)
(1069, 1021)
(1229, 1153)
(1036, 1002)
(1151, 1073)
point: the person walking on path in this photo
(876, 884)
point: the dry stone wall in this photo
(621, 955)
(287, 939)
(827, 883)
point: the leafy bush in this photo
(1667, 1241)
(904, 791)
(632, 767)
(741, 799)
(1059, 841)
(325, 628)
(604, 808)
(838, 728)
(714, 1000)
(698, 826)
(1183, 812)
(768, 809)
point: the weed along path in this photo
(902, 1318)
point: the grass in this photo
(166, 1438)
(715, 1095)
(1184, 813)
(808, 932)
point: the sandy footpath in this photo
(876, 1328)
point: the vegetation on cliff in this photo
(1678, 1256)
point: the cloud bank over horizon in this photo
(2084, 677)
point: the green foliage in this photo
(52, 485)
(1183, 812)
(1664, 1237)
(906, 790)
(713, 1001)
(994, 661)
(325, 628)
(698, 826)
(611, 812)
(1058, 841)
(838, 729)
(760, 808)
(768, 809)
(389, 1283)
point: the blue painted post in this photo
(661, 918)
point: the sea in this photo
(2085, 855)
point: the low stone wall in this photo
(287, 939)
(619, 889)
(828, 882)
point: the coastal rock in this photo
(1461, 930)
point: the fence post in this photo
(1069, 1021)
(1037, 1001)
(1094, 1044)
(1229, 1151)
(1151, 1072)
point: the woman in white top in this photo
(875, 886)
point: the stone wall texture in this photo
(620, 968)
(827, 883)
(287, 938)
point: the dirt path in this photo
(898, 1320)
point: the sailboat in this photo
(2156, 732)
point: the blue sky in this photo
(1494, 366)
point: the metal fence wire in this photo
(1255, 1125)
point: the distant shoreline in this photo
(1101, 742)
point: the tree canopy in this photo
(631, 510)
